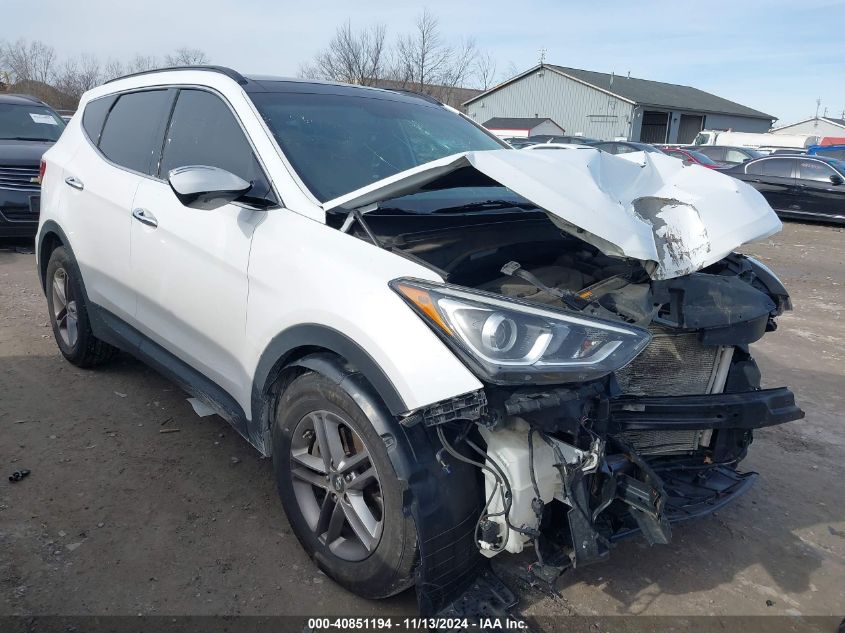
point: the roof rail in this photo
(231, 74)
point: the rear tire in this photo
(340, 491)
(69, 313)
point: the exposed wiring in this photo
(497, 486)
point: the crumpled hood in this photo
(675, 218)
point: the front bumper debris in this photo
(749, 410)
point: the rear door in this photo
(102, 179)
(774, 178)
(816, 192)
(189, 266)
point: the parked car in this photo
(624, 147)
(28, 127)
(547, 146)
(691, 156)
(828, 151)
(449, 348)
(526, 141)
(803, 187)
(728, 155)
(779, 151)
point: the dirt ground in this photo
(119, 518)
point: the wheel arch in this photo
(50, 237)
(324, 350)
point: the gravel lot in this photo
(119, 518)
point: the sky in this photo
(776, 56)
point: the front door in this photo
(816, 192)
(189, 266)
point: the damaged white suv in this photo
(450, 348)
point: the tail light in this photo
(42, 170)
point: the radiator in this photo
(674, 364)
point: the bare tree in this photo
(186, 57)
(140, 63)
(485, 71)
(75, 77)
(421, 58)
(355, 57)
(28, 61)
(113, 68)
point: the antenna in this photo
(818, 105)
(543, 55)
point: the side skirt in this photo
(113, 330)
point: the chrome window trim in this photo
(177, 87)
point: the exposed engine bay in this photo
(571, 468)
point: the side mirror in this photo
(836, 180)
(204, 187)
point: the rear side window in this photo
(203, 131)
(734, 156)
(776, 167)
(716, 153)
(132, 134)
(815, 170)
(95, 115)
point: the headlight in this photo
(507, 341)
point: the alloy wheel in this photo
(65, 308)
(336, 485)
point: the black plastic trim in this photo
(748, 410)
(113, 330)
(223, 70)
(312, 335)
(51, 227)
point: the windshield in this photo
(29, 123)
(701, 139)
(340, 143)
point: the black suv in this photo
(28, 127)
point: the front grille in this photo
(19, 178)
(673, 364)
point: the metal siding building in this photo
(576, 107)
(821, 127)
(605, 106)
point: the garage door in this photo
(654, 127)
(690, 126)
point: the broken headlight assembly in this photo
(511, 342)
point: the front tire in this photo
(69, 313)
(340, 491)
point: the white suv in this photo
(449, 348)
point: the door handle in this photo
(145, 217)
(74, 182)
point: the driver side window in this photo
(203, 131)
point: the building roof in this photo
(646, 92)
(827, 119)
(515, 123)
(450, 95)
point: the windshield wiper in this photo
(489, 204)
(25, 138)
